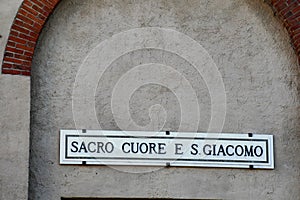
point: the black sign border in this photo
(166, 159)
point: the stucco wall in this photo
(257, 66)
(14, 119)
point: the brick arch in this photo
(24, 34)
(33, 14)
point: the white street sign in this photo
(99, 147)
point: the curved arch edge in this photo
(24, 34)
(33, 14)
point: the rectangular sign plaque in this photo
(97, 147)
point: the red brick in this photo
(13, 60)
(294, 17)
(25, 19)
(280, 6)
(37, 26)
(8, 54)
(26, 64)
(38, 3)
(30, 44)
(35, 19)
(22, 57)
(31, 10)
(53, 2)
(17, 40)
(26, 73)
(22, 12)
(293, 28)
(30, 27)
(22, 67)
(14, 33)
(38, 9)
(28, 53)
(278, 2)
(288, 8)
(296, 9)
(34, 35)
(47, 4)
(42, 17)
(294, 33)
(13, 50)
(11, 44)
(7, 65)
(11, 71)
(47, 9)
(297, 44)
(291, 1)
(18, 22)
(292, 21)
(27, 2)
(296, 37)
(19, 46)
(298, 52)
(18, 28)
(27, 37)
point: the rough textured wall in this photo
(32, 15)
(14, 143)
(252, 54)
(14, 119)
